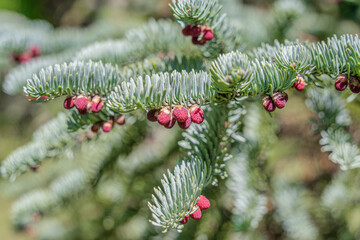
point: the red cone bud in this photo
(187, 30)
(203, 202)
(280, 99)
(95, 127)
(171, 123)
(186, 124)
(195, 31)
(197, 115)
(185, 220)
(300, 83)
(81, 104)
(268, 104)
(35, 51)
(208, 34)
(69, 103)
(25, 57)
(96, 104)
(107, 126)
(341, 82)
(181, 114)
(36, 168)
(15, 57)
(354, 84)
(196, 215)
(152, 115)
(164, 116)
(195, 41)
(120, 119)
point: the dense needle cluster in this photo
(183, 116)
(200, 34)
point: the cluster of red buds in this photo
(200, 34)
(342, 82)
(107, 125)
(299, 84)
(167, 117)
(202, 204)
(278, 100)
(26, 56)
(84, 104)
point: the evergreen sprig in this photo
(207, 148)
(195, 11)
(48, 141)
(164, 89)
(178, 195)
(89, 78)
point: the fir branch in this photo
(164, 89)
(343, 150)
(42, 201)
(291, 213)
(330, 108)
(151, 152)
(140, 43)
(90, 78)
(48, 141)
(195, 11)
(274, 68)
(332, 118)
(178, 195)
(96, 156)
(16, 78)
(249, 204)
(207, 148)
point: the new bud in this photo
(25, 57)
(300, 83)
(185, 220)
(354, 84)
(152, 115)
(69, 103)
(341, 82)
(95, 127)
(197, 115)
(107, 125)
(171, 123)
(203, 202)
(187, 30)
(196, 215)
(96, 104)
(181, 114)
(81, 104)
(164, 116)
(280, 99)
(208, 34)
(120, 120)
(268, 104)
(195, 31)
(195, 41)
(35, 51)
(186, 124)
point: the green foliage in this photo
(195, 11)
(155, 66)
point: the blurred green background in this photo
(19, 118)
